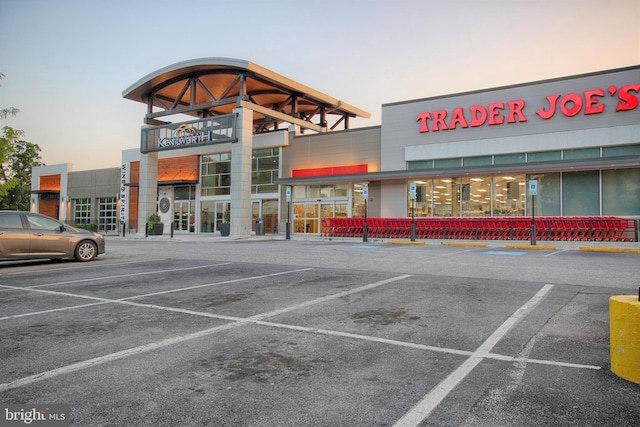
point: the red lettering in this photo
(547, 114)
(573, 98)
(591, 104)
(478, 115)
(438, 120)
(457, 117)
(494, 115)
(422, 118)
(515, 109)
(627, 100)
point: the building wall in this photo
(402, 140)
(338, 148)
(94, 183)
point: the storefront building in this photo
(268, 150)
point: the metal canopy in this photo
(214, 86)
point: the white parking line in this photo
(49, 267)
(142, 273)
(160, 344)
(556, 252)
(125, 300)
(422, 409)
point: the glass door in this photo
(183, 216)
(255, 213)
(221, 208)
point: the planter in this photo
(225, 229)
(157, 230)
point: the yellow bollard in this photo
(624, 323)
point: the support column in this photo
(241, 153)
(148, 190)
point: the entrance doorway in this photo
(184, 209)
(184, 216)
(307, 216)
(267, 210)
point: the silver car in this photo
(29, 235)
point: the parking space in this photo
(323, 333)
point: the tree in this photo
(17, 158)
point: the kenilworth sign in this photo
(212, 130)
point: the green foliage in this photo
(153, 219)
(90, 227)
(226, 217)
(17, 158)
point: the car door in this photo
(48, 237)
(15, 238)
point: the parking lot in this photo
(260, 332)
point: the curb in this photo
(477, 245)
(542, 247)
(404, 242)
(613, 250)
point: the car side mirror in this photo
(60, 229)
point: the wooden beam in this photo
(281, 116)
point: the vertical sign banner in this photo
(123, 193)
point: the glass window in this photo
(82, 211)
(544, 156)
(580, 193)
(475, 196)
(313, 191)
(420, 164)
(504, 159)
(216, 175)
(509, 195)
(326, 191)
(42, 223)
(207, 217)
(10, 221)
(547, 202)
(299, 192)
(358, 201)
(446, 197)
(342, 190)
(621, 192)
(424, 198)
(107, 209)
(477, 161)
(265, 165)
(582, 153)
(448, 163)
(621, 150)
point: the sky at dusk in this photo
(67, 62)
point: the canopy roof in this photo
(214, 86)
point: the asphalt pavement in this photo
(199, 331)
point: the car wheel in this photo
(86, 251)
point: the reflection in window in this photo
(621, 192)
(581, 193)
(509, 195)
